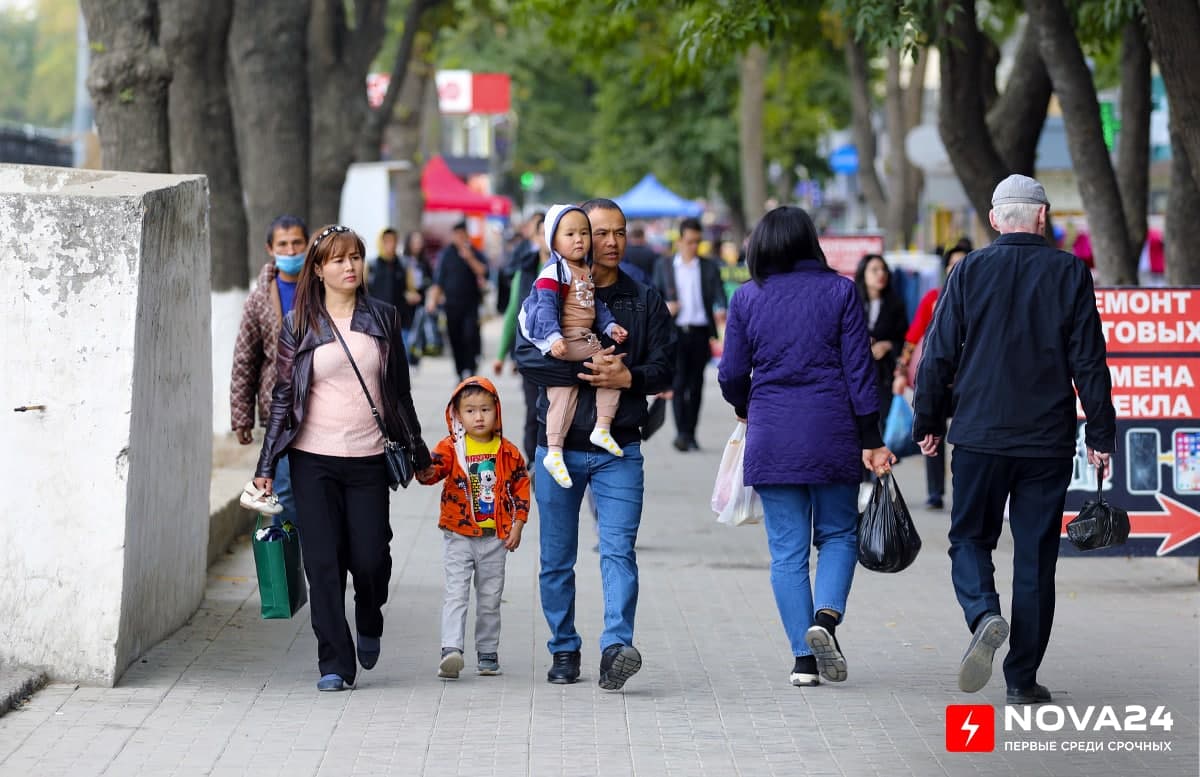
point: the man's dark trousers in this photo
(462, 327)
(693, 355)
(1036, 489)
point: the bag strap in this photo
(361, 382)
(1099, 483)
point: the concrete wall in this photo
(104, 319)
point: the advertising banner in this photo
(1153, 339)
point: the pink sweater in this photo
(337, 418)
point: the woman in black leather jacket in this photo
(322, 419)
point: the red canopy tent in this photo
(444, 191)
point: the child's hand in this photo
(514, 537)
(619, 333)
(559, 349)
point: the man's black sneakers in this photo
(976, 667)
(617, 664)
(831, 664)
(565, 669)
(1038, 694)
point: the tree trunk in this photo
(339, 57)
(751, 72)
(1183, 203)
(370, 141)
(201, 126)
(128, 83)
(1174, 28)
(269, 94)
(905, 181)
(1133, 150)
(1085, 140)
(962, 120)
(1018, 115)
(404, 137)
(864, 129)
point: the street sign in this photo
(844, 252)
(844, 159)
(1153, 340)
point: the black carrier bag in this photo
(887, 538)
(1099, 524)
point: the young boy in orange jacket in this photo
(485, 503)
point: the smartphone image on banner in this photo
(1187, 461)
(1142, 474)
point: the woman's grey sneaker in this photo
(617, 664)
(489, 664)
(452, 664)
(831, 664)
(804, 672)
(976, 667)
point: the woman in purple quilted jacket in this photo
(797, 367)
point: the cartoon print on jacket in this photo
(508, 482)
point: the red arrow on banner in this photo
(1178, 524)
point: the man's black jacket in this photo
(712, 288)
(650, 357)
(1016, 323)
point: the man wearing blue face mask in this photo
(254, 354)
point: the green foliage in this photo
(37, 58)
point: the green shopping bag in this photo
(280, 575)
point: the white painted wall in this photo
(104, 319)
(226, 317)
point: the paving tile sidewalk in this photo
(231, 694)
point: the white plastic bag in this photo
(734, 503)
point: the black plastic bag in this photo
(887, 538)
(1099, 524)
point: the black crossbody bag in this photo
(397, 457)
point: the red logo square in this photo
(970, 728)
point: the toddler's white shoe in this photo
(254, 498)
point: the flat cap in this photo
(1019, 189)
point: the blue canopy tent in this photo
(649, 199)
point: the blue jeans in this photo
(281, 486)
(797, 518)
(617, 483)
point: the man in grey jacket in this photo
(1015, 327)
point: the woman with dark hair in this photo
(797, 368)
(322, 419)
(887, 323)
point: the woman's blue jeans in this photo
(797, 519)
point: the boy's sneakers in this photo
(451, 665)
(617, 664)
(602, 438)
(804, 671)
(489, 664)
(976, 667)
(557, 467)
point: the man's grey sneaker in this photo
(804, 672)
(489, 664)
(565, 669)
(617, 664)
(831, 664)
(976, 667)
(452, 664)
(1038, 694)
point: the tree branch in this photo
(1133, 150)
(372, 135)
